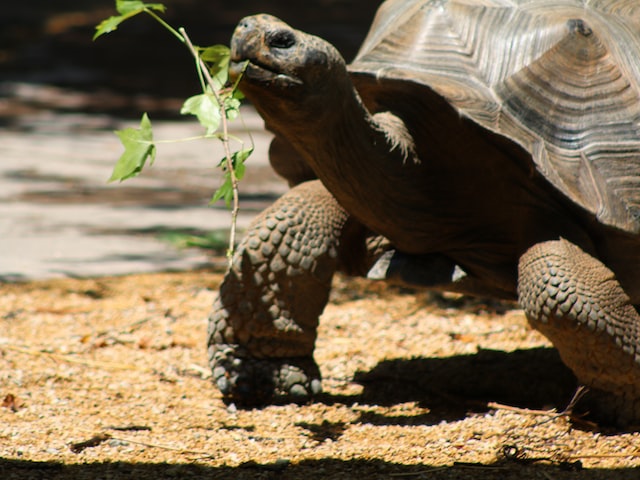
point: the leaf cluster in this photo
(214, 107)
(216, 101)
(237, 164)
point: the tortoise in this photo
(489, 147)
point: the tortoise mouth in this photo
(256, 72)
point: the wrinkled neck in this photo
(360, 158)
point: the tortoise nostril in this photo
(246, 22)
(281, 39)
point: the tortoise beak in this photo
(260, 48)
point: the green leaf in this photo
(129, 7)
(138, 147)
(126, 9)
(108, 25)
(240, 169)
(217, 57)
(237, 160)
(205, 107)
(238, 95)
(225, 191)
(232, 108)
(216, 54)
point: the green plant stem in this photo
(173, 31)
(185, 139)
(225, 143)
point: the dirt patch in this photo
(108, 378)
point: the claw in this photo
(255, 382)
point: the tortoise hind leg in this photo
(262, 329)
(576, 302)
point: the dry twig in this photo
(73, 359)
(92, 442)
(524, 411)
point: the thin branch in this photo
(127, 329)
(97, 440)
(224, 139)
(524, 411)
(73, 359)
(580, 392)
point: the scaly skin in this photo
(576, 302)
(262, 329)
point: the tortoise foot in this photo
(252, 382)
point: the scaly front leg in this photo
(577, 302)
(263, 326)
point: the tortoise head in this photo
(282, 67)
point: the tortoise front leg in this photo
(577, 302)
(263, 326)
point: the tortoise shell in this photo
(561, 78)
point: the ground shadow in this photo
(309, 469)
(452, 387)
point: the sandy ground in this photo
(108, 378)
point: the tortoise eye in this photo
(281, 39)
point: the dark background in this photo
(45, 42)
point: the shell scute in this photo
(559, 78)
